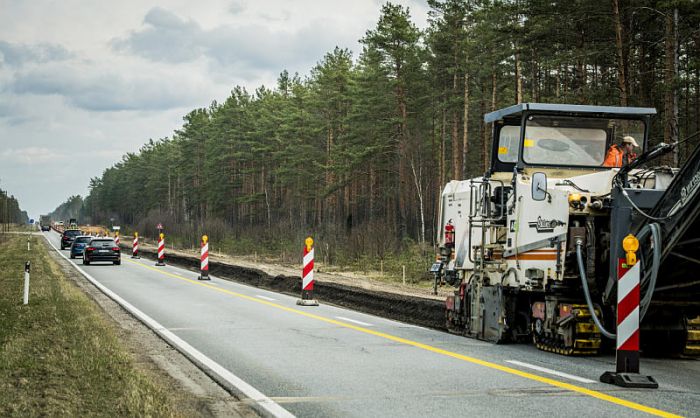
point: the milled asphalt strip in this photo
(488, 364)
(550, 371)
(221, 374)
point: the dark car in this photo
(79, 244)
(68, 236)
(45, 228)
(102, 249)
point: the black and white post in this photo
(27, 267)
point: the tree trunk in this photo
(456, 154)
(418, 182)
(621, 82)
(443, 133)
(670, 73)
(465, 126)
(518, 79)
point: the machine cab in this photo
(564, 136)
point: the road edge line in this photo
(213, 369)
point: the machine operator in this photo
(623, 154)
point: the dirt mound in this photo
(426, 312)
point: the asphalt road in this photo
(330, 361)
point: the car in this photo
(45, 228)
(102, 249)
(68, 236)
(79, 244)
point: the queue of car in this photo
(90, 248)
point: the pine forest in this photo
(357, 151)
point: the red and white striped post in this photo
(307, 275)
(627, 348)
(135, 246)
(161, 250)
(116, 238)
(204, 261)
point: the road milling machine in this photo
(533, 247)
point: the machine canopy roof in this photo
(606, 111)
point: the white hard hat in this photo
(629, 140)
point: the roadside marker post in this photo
(204, 264)
(161, 250)
(27, 268)
(627, 348)
(116, 238)
(307, 275)
(135, 246)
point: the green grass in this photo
(59, 355)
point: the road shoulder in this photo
(196, 392)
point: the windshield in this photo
(82, 240)
(71, 233)
(567, 141)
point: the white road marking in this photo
(221, 373)
(354, 321)
(265, 297)
(550, 371)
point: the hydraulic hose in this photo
(648, 279)
(587, 294)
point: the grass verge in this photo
(59, 355)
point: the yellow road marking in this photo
(568, 386)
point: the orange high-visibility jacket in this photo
(613, 157)
(616, 157)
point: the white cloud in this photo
(82, 83)
(30, 155)
(101, 87)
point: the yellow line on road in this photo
(568, 386)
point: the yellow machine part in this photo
(692, 345)
(586, 336)
(94, 230)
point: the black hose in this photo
(587, 294)
(649, 278)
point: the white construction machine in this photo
(533, 246)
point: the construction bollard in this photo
(27, 267)
(116, 238)
(161, 250)
(204, 265)
(627, 349)
(135, 246)
(307, 276)
(29, 248)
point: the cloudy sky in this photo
(84, 82)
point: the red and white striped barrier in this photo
(204, 259)
(161, 250)
(627, 349)
(307, 275)
(628, 311)
(116, 238)
(135, 246)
